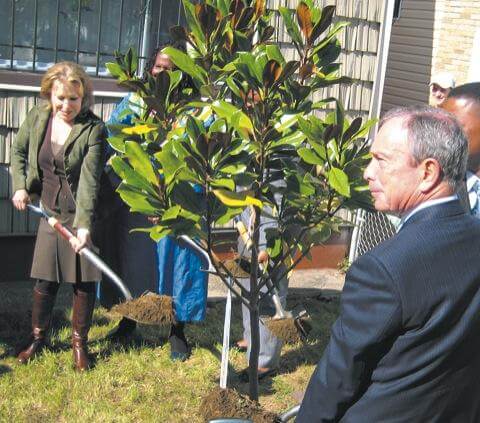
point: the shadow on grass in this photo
(4, 369)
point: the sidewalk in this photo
(302, 282)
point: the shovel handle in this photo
(62, 230)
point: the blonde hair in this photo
(68, 73)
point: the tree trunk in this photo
(254, 310)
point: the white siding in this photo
(410, 56)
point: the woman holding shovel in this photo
(59, 155)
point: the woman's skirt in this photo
(54, 259)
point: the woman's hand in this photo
(81, 240)
(20, 199)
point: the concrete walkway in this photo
(303, 282)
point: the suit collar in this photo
(436, 211)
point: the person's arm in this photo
(18, 162)
(370, 317)
(89, 182)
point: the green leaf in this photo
(117, 143)
(234, 116)
(226, 214)
(292, 28)
(324, 22)
(309, 156)
(115, 70)
(140, 161)
(131, 177)
(274, 53)
(234, 169)
(223, 183)
(137, 200)
(185, 195)
(186, 64)
(338, 180)
(193, 24)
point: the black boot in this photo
(179, 349)
(125, 329)
(41, 318)
(83, 304)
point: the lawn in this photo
(137, 382)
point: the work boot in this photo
(41, 318)
(83, 303)
(179, 348)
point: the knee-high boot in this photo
(83, 303)
(41, 318)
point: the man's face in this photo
(393, 175)
(162, 63)
(438, 95)
(467, 113)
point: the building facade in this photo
(38, 33)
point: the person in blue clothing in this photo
(167, 267)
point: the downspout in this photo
(376, 103)
(145, 47)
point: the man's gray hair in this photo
(434, 133)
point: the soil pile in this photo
(228, 403)
(237, 268)
(150, 309)
(284, 329)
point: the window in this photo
(37, 33)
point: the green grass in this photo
(136, 382)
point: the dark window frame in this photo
(151, 11)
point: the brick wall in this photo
(456, 23)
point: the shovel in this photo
(150, 303)
(284, 324)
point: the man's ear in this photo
(431, 174)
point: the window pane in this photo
(89, 25)
(66, 56)
(46, 24)
(6, 22)
(68, 25)
(23, 58)
(44, 59)
(24, 22)
(5, 57)
(110, 27)
(132, 24)
(168, 18)
(89, 62)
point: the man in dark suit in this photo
(405, 345)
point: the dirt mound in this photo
(284, 329)
(236, 267)
(150, 309)
(228, 403)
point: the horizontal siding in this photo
(410, 56)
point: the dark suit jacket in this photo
(406, 346)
